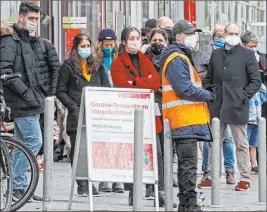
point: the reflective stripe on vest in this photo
(177, 103)
(182, 112)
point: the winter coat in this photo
(178, 75)
(123, 71)
(69, 89)
(235, 73)
(48, 64)
(23, 95)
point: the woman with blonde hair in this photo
(106, 50)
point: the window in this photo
(145, 5)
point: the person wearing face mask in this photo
(21, 52)
(166, 23)
(106, 51)
(233, 73)
(77, 72)
(132, 69)
(145, 32)
(250, 41)
(158, 40)
(184, 105)
(216, 41)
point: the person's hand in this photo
(211, 88)
(212, 98)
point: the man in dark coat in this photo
(21, 52)
(234, 72)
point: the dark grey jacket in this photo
(236, 75)
(69, 89)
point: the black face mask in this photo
(156, 48)
(170, 36)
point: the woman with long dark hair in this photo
(77, 72)
(132, 69)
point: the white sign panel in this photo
(109, 115)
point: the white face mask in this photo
(232, 40)
(132, 47)
(31, 27)
(190, 41)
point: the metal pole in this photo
(262, 160)
(215, 165)
(48, 152)
(138, 159)
(168, 166)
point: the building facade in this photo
(118, 14)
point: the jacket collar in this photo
(126, 60)
(22, 33)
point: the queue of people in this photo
(191, 86)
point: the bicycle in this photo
(5, 177)
(15, 144)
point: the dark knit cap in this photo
(107, 34)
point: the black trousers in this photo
(186, 150)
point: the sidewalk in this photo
(230, 200)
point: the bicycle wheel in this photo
(5, 178)
(13, 143)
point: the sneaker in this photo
(95, 192)
(103, 187)
(40, 160)
(255, 170)
(17, 194)
(230, 178)
(117, 188)
(205, 184)
(181, 208)
(205, 176)
(37, 198)
(150, 195)
(242, 186)
(82, 190)
(193, 208)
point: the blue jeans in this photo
(253, 135)
(28, 130)
(228, 153)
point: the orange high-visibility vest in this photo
(180, 112)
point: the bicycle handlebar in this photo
(6, 77)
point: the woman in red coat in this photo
(132, 69)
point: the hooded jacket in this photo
(178, 75)
(23, 95)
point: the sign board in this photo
(11, 20)
(74, 20)
(70, 34)
(105, 136)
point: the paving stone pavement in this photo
(230, 200)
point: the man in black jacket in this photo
(19, 53)
(234, 72)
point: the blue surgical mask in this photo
(219, 43)
(84, 52)
(254, 49)
(108, 51)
